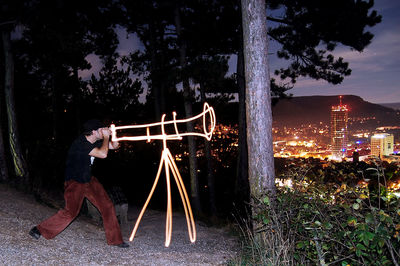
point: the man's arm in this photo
(113, 145)
(103, 150)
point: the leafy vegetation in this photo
(316, 222)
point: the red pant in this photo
(74, 194)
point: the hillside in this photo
(395, 106)
(315, 109)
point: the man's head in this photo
(90, 125)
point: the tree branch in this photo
(278, 20)
(7, 22)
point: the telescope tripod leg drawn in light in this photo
(168, 163)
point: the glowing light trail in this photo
(168, 162)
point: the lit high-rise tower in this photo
(382, 145)
(339, 133)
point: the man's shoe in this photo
(123, 245)
(35, 233)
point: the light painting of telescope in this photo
(170, 130)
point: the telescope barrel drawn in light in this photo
(167, 161)
(173, 132)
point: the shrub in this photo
(327, 224)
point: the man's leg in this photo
(73, 195)
(99, 197)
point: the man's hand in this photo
(102, 151)
(106, 132)
(114, 145)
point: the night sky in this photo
(375, 72)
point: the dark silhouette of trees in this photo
(210, 74)
(176, 36)
(56, 37)
(115, 90)
(151, 21)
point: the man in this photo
(79, 183)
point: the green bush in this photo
(328, 224)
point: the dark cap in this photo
(92, 124)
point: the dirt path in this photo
(83, 243)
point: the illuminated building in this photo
(382, 144)
(339, 133)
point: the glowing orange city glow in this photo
(167, 161)
(394, 186)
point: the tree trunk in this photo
(188, 97)
(3, 161)
(258, 99)
(194, 182)
(54, 105)
(77, 101)
(210, 165)
(242, 189)
(154, 71)
(20, 167)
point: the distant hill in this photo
(315, 109)
(395, 106)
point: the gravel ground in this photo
(83, 242)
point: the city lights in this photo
(338, 140)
